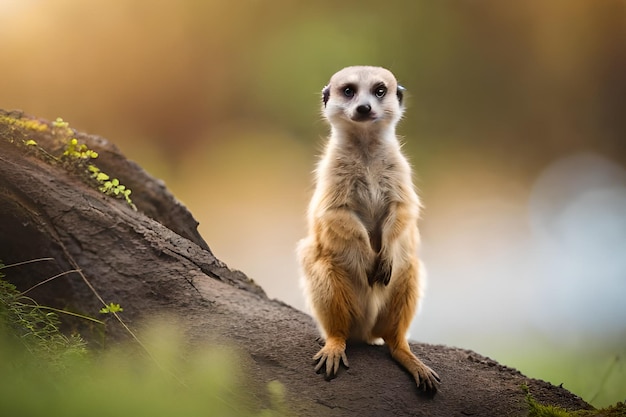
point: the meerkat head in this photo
(363, 95)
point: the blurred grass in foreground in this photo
(124, 381)
(47, 374)
(599, 378)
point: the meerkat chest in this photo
(370, 192)
(370, 187)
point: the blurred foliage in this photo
(124, 382)
(536, 409)
(596, 373)
(221, 99)
(35, 328)
(45, 373)
(521, 81)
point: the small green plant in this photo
(69, 381)
(131, 379)
(76, 156)
(111, 308)
(79, 156)
(110, 186)
(121, 381)
(61, 128)
(75, 151)
(23, 123)
(36, 327)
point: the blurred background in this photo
(515, 124)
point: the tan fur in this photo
(361, 273)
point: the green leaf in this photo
(101, 177)
(111, 308)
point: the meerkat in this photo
(361, 274)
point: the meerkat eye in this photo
(380, 91)
(349, 91)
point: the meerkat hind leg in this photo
(393, 326)
(333, 305)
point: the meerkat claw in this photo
(329, 360)
(429, 381)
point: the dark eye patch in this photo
(379, 90)
(349, 90)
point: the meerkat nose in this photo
(364, 109)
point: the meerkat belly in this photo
(371, 205)
(372, 301)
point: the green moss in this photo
(75, 151)
(79, 157)
(535, 409)
(76, 157)
(539, 410)
(23, 123)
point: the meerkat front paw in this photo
(332, 354)
(381, 272)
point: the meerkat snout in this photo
(364, 109)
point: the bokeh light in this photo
(515, 126)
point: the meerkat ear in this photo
(325, 94)
(400, 93)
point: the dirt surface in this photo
(154, 262)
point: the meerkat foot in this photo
(332, 354)
(425, 378)
(428, 379)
